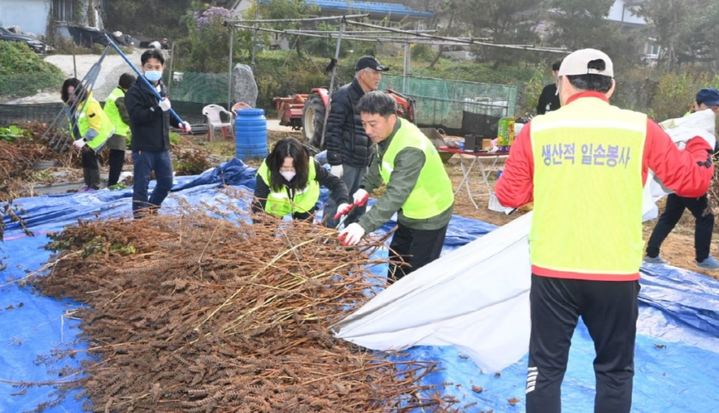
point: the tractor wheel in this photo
(313, 116)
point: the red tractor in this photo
(307, 112)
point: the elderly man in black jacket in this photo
(348, 147)
(150, 125)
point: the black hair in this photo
(288, 147)
(126, 80)
(152, 54)
(71, 82)
(377, 102)
(556, 65)
(592, 81)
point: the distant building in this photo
(40, 16)
(376, 10)
(622, 12)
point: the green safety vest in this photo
(588, 190)
(432, 194)
(279, 203)
(121, 128)
(83, 123)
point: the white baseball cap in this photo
(577, 62)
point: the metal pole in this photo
(332, 81)
(405, 67)
(172, 63)
(74, 65)
(229, 70)
(254, 43)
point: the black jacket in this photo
(150, 126)
(548, 100)
(345, 136)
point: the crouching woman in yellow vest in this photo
(90, 128)
(288, 183)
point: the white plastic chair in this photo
(213, 113)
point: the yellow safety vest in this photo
(432, 194)
(279, 203)
(121, 128)
(92, 116)
(588, 190)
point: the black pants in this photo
(116, 161)
(609, 309)
(90, 167)
(416, 247)
(671, 215)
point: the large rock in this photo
(244, 87)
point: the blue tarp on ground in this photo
(677, 354)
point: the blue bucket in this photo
(250, 134)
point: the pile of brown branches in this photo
(197, 314)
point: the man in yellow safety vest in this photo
(418, 187)
(584, 166)
(116, 111)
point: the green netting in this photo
(199, 87)
(444, 102)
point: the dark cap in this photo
(369, 61)
(709, 97)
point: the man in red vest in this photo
(584, 166)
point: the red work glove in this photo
(360, 197)
(343, 209)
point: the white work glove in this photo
(164, 104)
(79, 143)
(336, 170)
(351, 235)
(185, 126)
(360, 197)
(343, 209)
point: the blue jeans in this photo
(144, 163)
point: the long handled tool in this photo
(57, 138)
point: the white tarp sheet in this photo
(477, 296)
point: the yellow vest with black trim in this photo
(432, 194)
(121, 128)
(279, 204)
(102, 125)
(588, 189)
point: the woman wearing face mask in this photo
(90, 127)
(288, 183)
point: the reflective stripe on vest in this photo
(121, 128)
(432, 194)
(83, 123)
(588, 189)
(279, 203)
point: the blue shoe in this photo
(709, 263)
(654, 260)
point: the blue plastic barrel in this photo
(250, 134)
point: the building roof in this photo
(370, 7)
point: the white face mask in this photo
(288, 175)
(153, 75)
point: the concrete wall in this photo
(30, 15)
